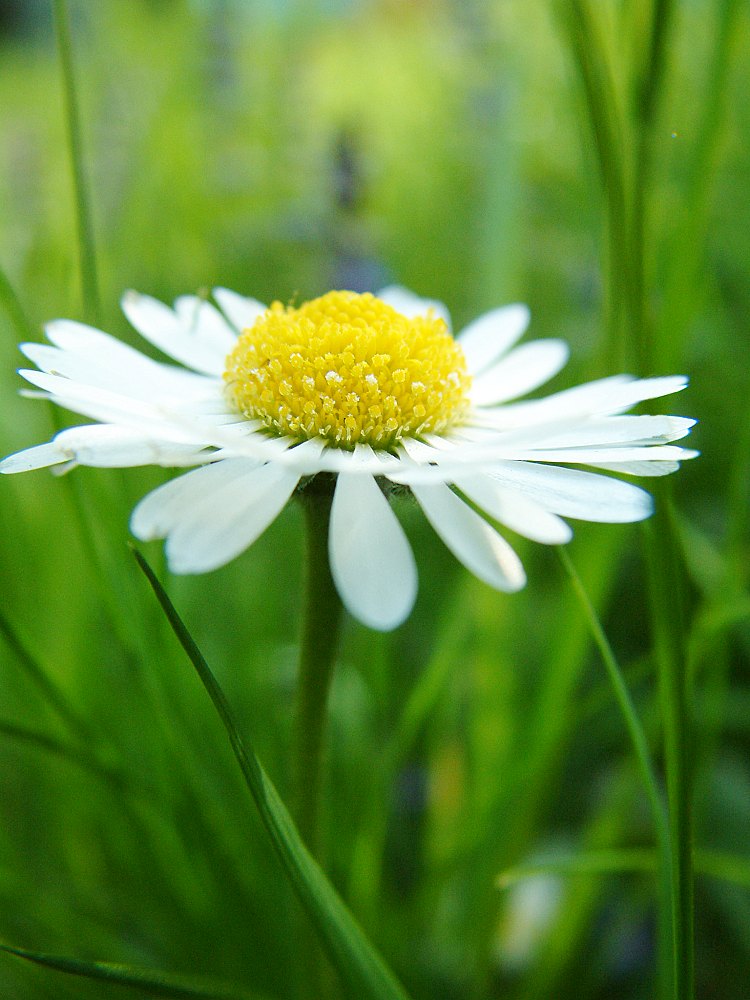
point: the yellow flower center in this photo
(350, 369)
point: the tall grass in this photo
(485, 817)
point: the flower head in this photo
(372, 389)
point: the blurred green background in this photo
(282, 149)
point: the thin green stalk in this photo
(720, 865)
(320, 630)
(640, 746)
(12, 305)
(80, 757)
(367, 867)
(155, 982)
(646, 110)
(625, 702)
(583, 36)
(665, 585)
(359, 964)
(687, 245)
(86, 246)
(54, 696)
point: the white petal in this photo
(473, 542)
(108, 446)
(162, 509)
(489, 336)
(595, 456)
(41, 456)
(239, 310)
(113, 355)
(86, 341)
(604, 396)
(371, 561)
(575, 493)
(411, 305)
(517, 512)
(519, 372)
(229, 520)
(108, 407)
(132, 374)
(603, 431)
(419, 452)
(203, 320)
(639, 468)
(362, 459)
(91, 401)
(164, 329)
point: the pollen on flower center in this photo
(350, 369)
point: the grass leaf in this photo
(359, 965)
(157, 983)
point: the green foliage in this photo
(585, 157)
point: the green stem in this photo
(86, 251)
(12, 306)
(582, 32)
(54, 695)
(320, 630)
(642, 753)
(361, 967)
(645, 114)
(665, 587)
(625, 702)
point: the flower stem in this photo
(320, 630)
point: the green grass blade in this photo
(86, 246)
(725, 867)
(646, 767)
(54, 697)
(625, 702)
(582, 32)
(665, 585)
(647, 96)
(158, 984)
(610, 862)
(352, 954)
(714, 864)
(81, 757)
(687, 245)
(12, 306)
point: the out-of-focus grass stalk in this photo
(530, 783)
(665, 570)
(666, 588)
(366, 874)
(645, 110)
(725, 867)
(155, 982)
(53, 695)
(12, 305)
(685, 252)
(89, 283)
(86, 245)
(361, 967)
(637, 737)
(629, 713)
(627, 170)
(582, 31)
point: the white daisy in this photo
(375, 392)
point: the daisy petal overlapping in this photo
(499, 459)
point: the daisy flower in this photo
(374, 395)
